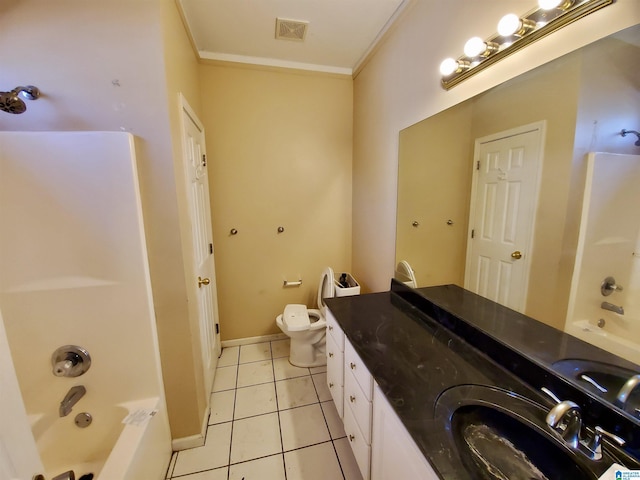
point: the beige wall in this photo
(434, 184)
(279, 147)
(181, 357)
(400, 85)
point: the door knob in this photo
(203, 281)
(516, 255)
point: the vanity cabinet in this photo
(382, 447)
(335, 362)
(393, 452)
(351, 386)
(358, 396)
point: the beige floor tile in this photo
(295, 392)
(314, 370)
(268, 468)
(255, 437)
(347, 460)
(256, 352)
(318, 462)
(222, 406)
(255, 373)
(229, 356)
(302, 427)
(217, 474)
(225, 378)
(336, 428)
(320, 382)
(255, 400)
(283, 369)
(280, 348)
(214, 453)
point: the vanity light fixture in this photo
(514, 33)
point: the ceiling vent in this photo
(291, 29)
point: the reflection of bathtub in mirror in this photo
(607, 337)
(608, 246)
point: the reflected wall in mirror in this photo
(585, 99)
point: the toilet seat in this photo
(326, 288)
(405, 274)
(307, 328)
(296, 317)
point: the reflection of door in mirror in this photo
(503, 202)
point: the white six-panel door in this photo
(204, 280)
(503, 203)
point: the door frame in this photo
(186, 113)
(541, 127)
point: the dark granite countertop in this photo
(414, 357)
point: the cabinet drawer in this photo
(335, 331)
(360, 407)
(353, 364)
(361, 449)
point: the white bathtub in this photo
(108, 448)
(605, 338)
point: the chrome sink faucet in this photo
(70, 399)
(565, 419)
(626, 390)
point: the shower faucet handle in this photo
(609, 286)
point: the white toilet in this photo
(405, 274)
(306, 327)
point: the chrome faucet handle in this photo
(593, 444)
(609, 286)
(565, 418)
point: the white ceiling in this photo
(339, 35)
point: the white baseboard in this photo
(250, 340)
(184, 443)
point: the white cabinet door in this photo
(335, 373)
(394, 454)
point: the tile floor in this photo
(269, 421)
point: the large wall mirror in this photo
(583, 217)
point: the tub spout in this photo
(71, 398)
(65, 476)
(612, 308)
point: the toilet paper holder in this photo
(292, 284)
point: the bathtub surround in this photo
(124, 78)
(74, 271)
(608, 251)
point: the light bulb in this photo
(509, 24)
(448, 66)
(474, 47)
